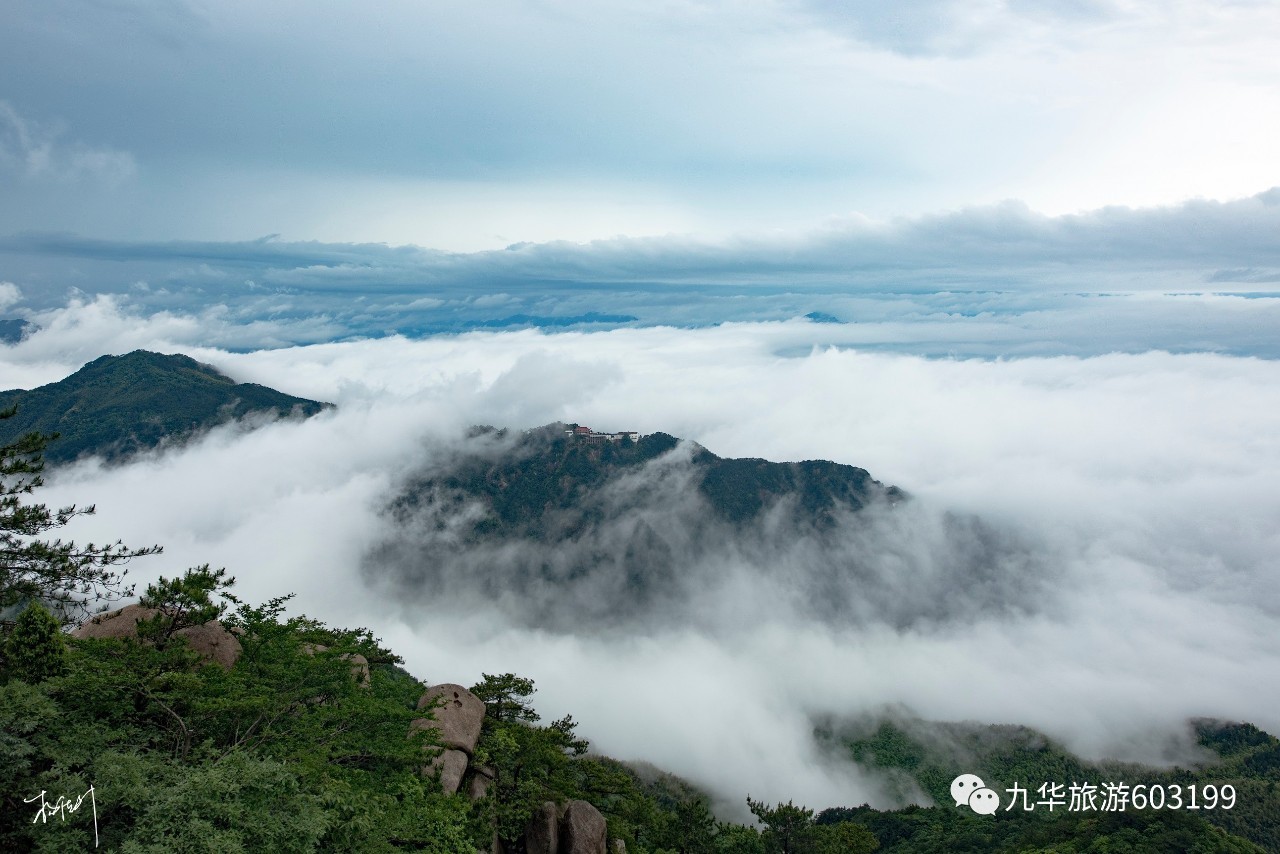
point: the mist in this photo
(1125, 583)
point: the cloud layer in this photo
(467, 127)
(993, 281)
(1144, 486)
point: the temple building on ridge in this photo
(584, 433)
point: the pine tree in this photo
(67, 576)
(183, 602)
(35, 649)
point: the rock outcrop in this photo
(451, 765)
(481, 780)
(582, 829)
(210, 640)
(458, 716)
(359, 664)
(542, 833)
(458, 719)
(575, 828)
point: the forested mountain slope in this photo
(116, 406)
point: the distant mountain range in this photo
(116, 406)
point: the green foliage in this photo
(67, 576)
(843, 838)
(505, 697)
(536, 489)
(648, 810)
(791, 829)
(786, 825)
(736, 839)
(286, 751)
(24, 710)
(1232, 740)
(236, 802)
(932, 754)
(116, 406)
(183, 602)
(35, 650)
(532, 764)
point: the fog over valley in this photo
(1087, 545)
(847, 413)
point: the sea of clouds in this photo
(1144, 483)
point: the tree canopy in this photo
(70, 578)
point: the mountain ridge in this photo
(117, 406)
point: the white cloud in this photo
(9, 295)
(1146, 484)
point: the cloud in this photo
(1000, 243)
(1142, 486)
(993, 280)
(9, 295)
(34, 152)
(931, 28)
(475, 126)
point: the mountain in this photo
(13, 330)
(116, 406)
(542, 483)
(1226, 796)
(567, 532)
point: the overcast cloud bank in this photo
(985, 281)
(476, 126)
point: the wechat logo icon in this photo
(968, 789)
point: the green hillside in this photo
(927, 756)
(288, 750)
(116, 406)
(542, 485)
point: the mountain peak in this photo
(116, 406)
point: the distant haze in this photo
(1144, 486)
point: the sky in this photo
(955, 178)
(459, 127)
(1020, 258)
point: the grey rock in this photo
(359, 667)
(451, 766)
(458, 718)
(210, 640)
(359, 664)
(481, 780)
(213, 643)
(115, 624)
(582, 829)
(542, 833)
